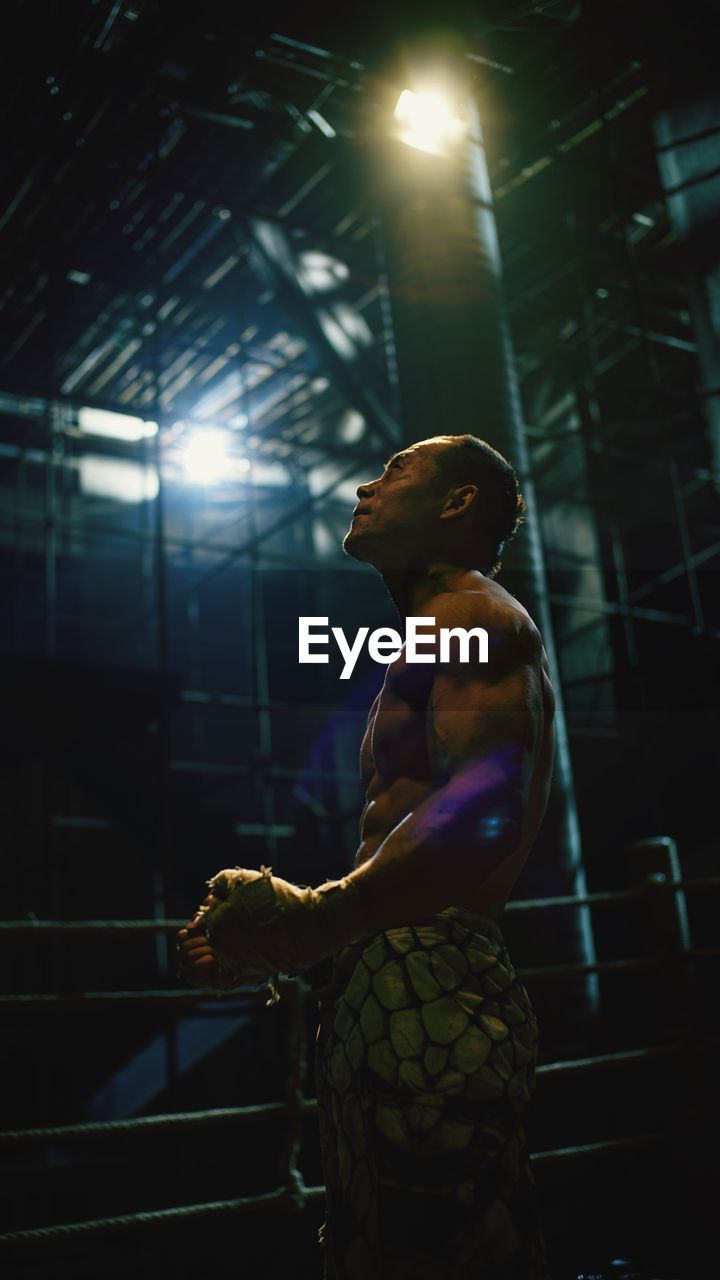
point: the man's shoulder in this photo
(490, 606)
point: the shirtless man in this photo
(427, 1041)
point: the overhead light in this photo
(320, 271)
(118, 426)
(351, 426)
(118, 479)
(427, 121)
(322, 124)
(206, 458)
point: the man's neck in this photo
(412, 589)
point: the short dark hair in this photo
(469, 460)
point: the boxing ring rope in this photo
(91, 1000)
(180, 1120)
(294, 1196)
(521, 904)
(292, 1199)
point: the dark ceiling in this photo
(143, 137)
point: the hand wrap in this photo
(261, 925)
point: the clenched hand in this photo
(197, 960)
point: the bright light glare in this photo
(427, 122)
(119, 426)
(205, 456)
(118, 479)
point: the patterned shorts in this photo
(425, 1066)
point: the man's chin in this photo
(357, 547)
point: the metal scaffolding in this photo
(233, 270)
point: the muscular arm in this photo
(484, 723)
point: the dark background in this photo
(156, 724)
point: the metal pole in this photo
(664, 931)
(162, 867)
(457, 374)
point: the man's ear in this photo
(458, 501)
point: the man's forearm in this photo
(259, 924)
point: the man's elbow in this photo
(495, 815)
(495, 839)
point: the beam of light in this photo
(227, 390)
(428, 122)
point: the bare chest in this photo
(396, 744)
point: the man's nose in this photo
(366, 490)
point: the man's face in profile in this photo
(396, 514)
